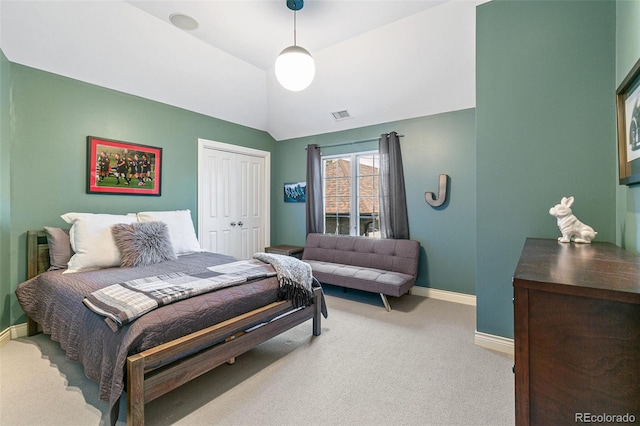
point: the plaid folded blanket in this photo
(122, 303)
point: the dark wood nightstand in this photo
(287, 250)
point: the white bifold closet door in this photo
(232, 204)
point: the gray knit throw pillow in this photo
(142, 244)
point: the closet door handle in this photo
(233, 224)
(240, 224)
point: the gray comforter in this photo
(54, 300)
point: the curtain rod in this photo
(351, 142)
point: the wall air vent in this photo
(341, 115)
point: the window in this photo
(350, 194)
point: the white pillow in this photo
(181, 230)
(92, 241)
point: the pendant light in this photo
(295, 67)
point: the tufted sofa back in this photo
(387, 254)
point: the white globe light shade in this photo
(295, 68)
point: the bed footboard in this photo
(146, 381)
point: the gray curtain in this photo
(315, 217)
(394, 221)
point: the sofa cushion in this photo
(369, 279)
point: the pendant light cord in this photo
(294, 28)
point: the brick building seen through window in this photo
(351, 194)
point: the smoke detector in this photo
(184, 22)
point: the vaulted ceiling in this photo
(379, 60)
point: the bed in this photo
(164, 348)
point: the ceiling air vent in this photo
(341, 115)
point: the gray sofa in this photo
(385, 266)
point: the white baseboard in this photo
(5, 336)
(493, 342)
(13, 332)
(484, 340)
(19, 330)
(449, 296)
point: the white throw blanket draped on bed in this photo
(294, 276)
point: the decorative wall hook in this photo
(430, 197)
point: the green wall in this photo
(5, 202)
(443, 143)
(627, 53)
(545, 128)
(54, 115)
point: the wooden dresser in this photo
(577, 333)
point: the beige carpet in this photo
(416, 365)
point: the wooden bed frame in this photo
(145, 383)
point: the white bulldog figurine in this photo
(569, 225)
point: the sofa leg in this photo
(386, 302)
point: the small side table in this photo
(287, 250)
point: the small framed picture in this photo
(295, 192)
(115, 167)
(628, 108)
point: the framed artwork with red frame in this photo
(116, 167)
